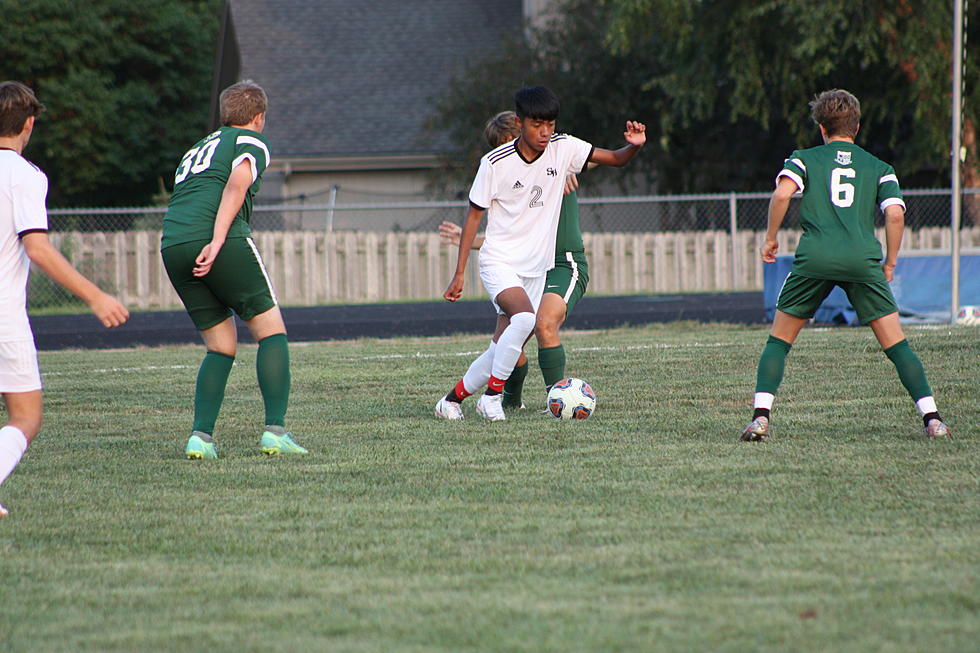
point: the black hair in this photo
(536, 102)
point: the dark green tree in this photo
(126, 84)
(763, 60)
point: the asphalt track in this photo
(403, 319)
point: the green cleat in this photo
(274, 445)
(199, 449)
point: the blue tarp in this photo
(922, 288)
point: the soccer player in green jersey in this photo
(841, 185)
(216, 269)
(565, 284)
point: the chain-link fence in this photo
(662, 243)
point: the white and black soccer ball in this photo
(968, 315)
(571, 399)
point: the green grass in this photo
(649, 527)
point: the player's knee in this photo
(523, 322)
(546, 327)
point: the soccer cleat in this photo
(489, 406)
(449, 409)
(936, 429)
(198, 449)
(3, 512)
(757, 431)
(274, 445)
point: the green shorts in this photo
(237, 282)
(569, 278)
(801, 297)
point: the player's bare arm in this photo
(470, 227)
(778, 206)
(636, 137)
(232, 199)
(43, 254)
(894, 229)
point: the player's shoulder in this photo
(501, 152)
(21, 167)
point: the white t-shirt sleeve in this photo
(579, 152)
(29, 196)
(481, 193)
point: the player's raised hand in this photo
(204, 260)
(769, 249)
(571, 184)
(455, 289)
(450, 232)
(636, 133)
(109, 311)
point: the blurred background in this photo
(377, 112)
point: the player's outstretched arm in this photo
(232, 198)
(43, 254)
(636, 137)
(470, 226)
(894, 230)
(450, 233)
(778, 205)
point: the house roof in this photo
(350, 78)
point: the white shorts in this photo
(497, 278)
(18, 367)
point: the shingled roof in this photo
(350, 78)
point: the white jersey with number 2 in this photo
(523, 202)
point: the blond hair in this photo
(241, 102)
(17, 104)
(838, 111)
(502, 128)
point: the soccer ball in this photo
(968, 315)
(571, 399)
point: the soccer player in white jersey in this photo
(24, 239)
(520, 185)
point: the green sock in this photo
(212, 377)
(772, 363)
(272, 368)
(910, 370)
(514, 387)
(552, 363)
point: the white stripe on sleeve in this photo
(791, 175)
(892, 201)
(242, 157)
(251, 140)
(888, 178)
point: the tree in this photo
(723, 85)
(764, 60)
(126, 85)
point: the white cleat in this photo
(3, 512)
(757, 431)
(448, 409)
(491, 407)
(936, 429)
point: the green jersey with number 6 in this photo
(842, 186)
(200, 180)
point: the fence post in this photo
(332, 202)
(733, 228)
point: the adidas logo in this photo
(518, 185)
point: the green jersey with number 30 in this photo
(200, 180)
(842, 186)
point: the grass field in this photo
(649, 527)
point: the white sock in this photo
(926, 405)
(479, 372)
(13, 444)
(764, 400)
(510, 344)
